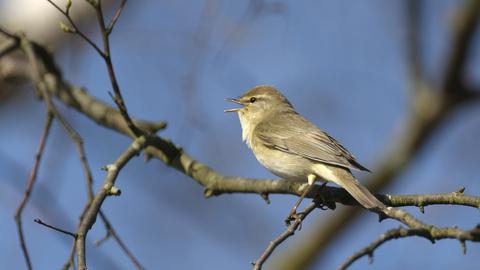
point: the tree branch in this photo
(54, 228)
(75, 29)
(214, 183)
(417, 228)
(435, 234)
(111, 232)
(31, 180)
(429, 108)
(107, 189)
(105, 55)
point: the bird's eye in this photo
(253, 99)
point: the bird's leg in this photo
(293, 214)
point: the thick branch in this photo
(215, 184)
(417, 228)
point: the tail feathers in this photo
(361, 194)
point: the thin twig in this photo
(88, 183)
(29, 50)
(453, 232)
(118, 99)
(86, 168)
(55, 228)
(289, 232)
(108, 60)
(31, 180)
(112, 232)
(416, 228)
(76, 31)
(114, 20)
(90, 217)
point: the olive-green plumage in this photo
(294, 149)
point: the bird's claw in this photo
(295, 217)
(323, 204)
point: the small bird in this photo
(294, 149)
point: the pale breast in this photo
(285, 165)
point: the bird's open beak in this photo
(236, 101)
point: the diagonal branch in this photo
(441, 233)
(55, 228)
(108, 60)
(31, 180)
(416, 228)
(111, 231)
(114, 20)
(107, 189)
(289, 232)
(75, 29)
(105, 54)
(30, 50)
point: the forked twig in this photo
(297, 223)
(75, 29)
(105, 54)
(111, 232)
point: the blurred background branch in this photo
(335, 61)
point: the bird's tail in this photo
(360, 193)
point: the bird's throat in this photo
(248, 125)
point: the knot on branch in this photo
(209, 191)
(113, 191)
(110, 167)
(460, 190)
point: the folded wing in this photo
(308, 141)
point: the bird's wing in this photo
(308, 141)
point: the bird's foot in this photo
(323, 204)
(293, 216)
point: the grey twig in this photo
(30, 182)
(55, 228)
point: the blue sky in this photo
(342, 64)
